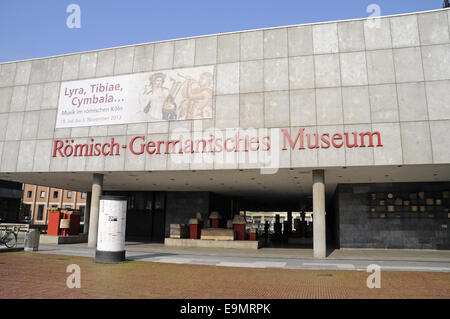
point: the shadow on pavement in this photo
(330, 250)
(138, 257)
(8, 250)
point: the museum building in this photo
(348, 120)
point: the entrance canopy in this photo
(283, 185)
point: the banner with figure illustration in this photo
(180, 94)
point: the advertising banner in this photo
(169, 95)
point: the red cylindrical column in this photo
(215, 219)
(193, 231)
(195, 227)
(239, 227)
(239, 230)
(214, 223)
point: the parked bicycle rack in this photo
(16, 228)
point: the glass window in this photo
(83, 195)
(148, 205)
(26, 211)
(131, 200)
(81, 213)
(159, 200)
(69, 194)
(40, 215)
(29, 194)
(55, 194)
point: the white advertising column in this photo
(319, 234)
(111, 230)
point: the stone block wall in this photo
(181, 206)
(357, 227)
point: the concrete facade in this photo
(393, 77)
(389, 75)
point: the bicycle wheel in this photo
(11, 240)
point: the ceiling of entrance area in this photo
(285, 184)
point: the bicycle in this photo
(9, 239)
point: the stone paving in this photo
(39, 275)
(286, 258)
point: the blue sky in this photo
(31, 29)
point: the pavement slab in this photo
(43, 275)
(400, 260)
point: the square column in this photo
(319, 234)
(97, 185)
(87, 213)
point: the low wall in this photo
(61, 240)
(235, 244)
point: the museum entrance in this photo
(287, 222)
(281, 229)
(279, 223)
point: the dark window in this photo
(159, 200)
(40, 215)
(69, 194)
(29, 193)
(26, 211)
(81, 213)
(55, 194)
(131, 200)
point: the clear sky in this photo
(31, 29)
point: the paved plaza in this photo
(282, 258)
(155, 271)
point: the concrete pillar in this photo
(289, 219)
(97, 185)
(75, 200)
(47, 204)
(319, 234)
(61, 198)
(87, 210)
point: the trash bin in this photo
(32, 240)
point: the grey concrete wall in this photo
(359, 228)
(391, 75)
(181, 206)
